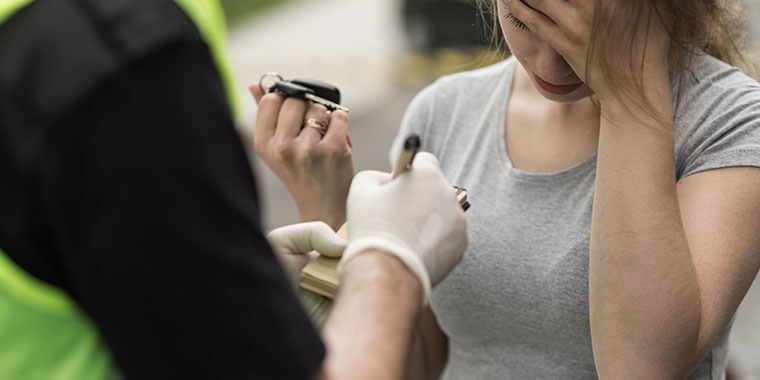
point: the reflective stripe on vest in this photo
(208, 16)
(43, 332)
(9, 7)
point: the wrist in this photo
(652, 101)
(384, 271)
(332, 217)
(412, 261)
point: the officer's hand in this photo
(297, 244)
(415, 217)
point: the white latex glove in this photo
(296, 245)
(415, 217)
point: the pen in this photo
(462, 197)
(404, 163)
(405, 158)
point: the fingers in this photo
(584, 10)
(423, 162)
(534, 18)
(266, 117)
(426, 161)
(290, 119)
(325, 241)
(560, 12)
(425, 165)
(285, 117)
(550, 20)
(338, 131)
(302, 238)
(256, 92)
(369, 178)
(311, 134)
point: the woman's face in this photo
(549, 72)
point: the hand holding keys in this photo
(307, 89)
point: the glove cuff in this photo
(412, 261)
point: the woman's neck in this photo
(545, 136)
(526, 91)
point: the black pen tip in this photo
(412, 142)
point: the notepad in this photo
(321, 276)
(317, 307)
(319, 284)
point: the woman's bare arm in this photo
(430, 348)
(669, 263)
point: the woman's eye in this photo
(517, 23)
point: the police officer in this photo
(129, 224)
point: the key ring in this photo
(268, 74)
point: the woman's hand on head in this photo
(316, 169)
(566, 25)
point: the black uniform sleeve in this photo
(153, 209)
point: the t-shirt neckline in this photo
(501, 128)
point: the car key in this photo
(303, 89)
(332, 106)
(287, 88)
(321, 89)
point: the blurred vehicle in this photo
(437, 24)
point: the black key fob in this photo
(307, 89)
(321, 89)
(289, 88)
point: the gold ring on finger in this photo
(315, 121)
(319, 127)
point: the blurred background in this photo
(380, 53)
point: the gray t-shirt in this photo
(517, 305)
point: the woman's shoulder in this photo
(717, 116)
(709, 87)
(707, 76)
(473, 84)
(438, 111)
(477, 78)
(464, 91)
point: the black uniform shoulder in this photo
(54, 56)
(53, 52)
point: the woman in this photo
(613, 170)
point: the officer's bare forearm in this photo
(369, 331)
